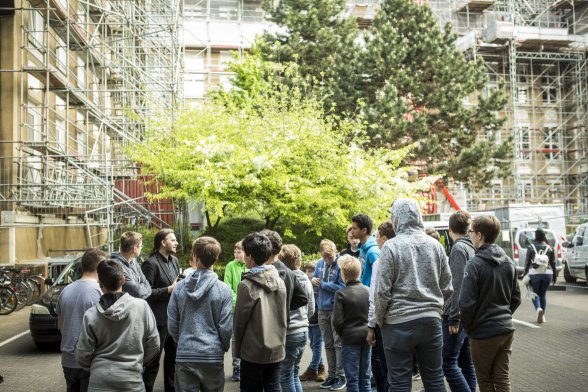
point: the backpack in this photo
(540, 260)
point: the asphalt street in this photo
(547, 357)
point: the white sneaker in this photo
(544, 320)
(540, 316)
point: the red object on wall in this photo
(136, 188)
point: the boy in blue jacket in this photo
(200, 320)
(327, 277)
(369, 252)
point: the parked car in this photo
(43, 318)
(442, 227)
(523, 238)
(576, 257)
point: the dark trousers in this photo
(200, 377)
(166, 342)
(492, 361)
(76, 379)
(402, 341)
(256, 377)
(379, 367)
(457, 362)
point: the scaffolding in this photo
(80, 80)
(537, 48)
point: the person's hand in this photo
(371, 337)
(173, 286)
(453, 329)
(315, 282)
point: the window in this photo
(81, 72)
(522, 94)
(61, 54)
(526, 190)
(551, 143)
(523, 141)
(36, 29)
(34, 128)
(548, 89)
(61, 134)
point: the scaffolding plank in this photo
(475, 6)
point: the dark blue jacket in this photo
(331, 282)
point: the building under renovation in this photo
(78, 81)
(536, 48)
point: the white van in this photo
(523, 238)
(576, 258)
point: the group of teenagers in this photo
(381, 306)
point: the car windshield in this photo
(527, 237)
(70, 274)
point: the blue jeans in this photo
(316, 345)
(457, 360)
(540, 283)
(290, 367)
(356, 363)
(422, 337)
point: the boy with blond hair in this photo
(327, 277)
(350, 321)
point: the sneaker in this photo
(544, 320)
(339, 384)
(236, 374)
(321, 374)
(416, 377)
(539, 315)
(308, 375)
(328, 383)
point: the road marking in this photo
(526, 324)
(14, 337)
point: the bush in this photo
(230, 231)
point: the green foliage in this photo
(404, 77)
(276, 156)
(230, 231)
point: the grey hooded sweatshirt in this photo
(261, 318)
(199, 317)
(413, 279)
(115, 344)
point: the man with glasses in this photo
(489, 296)
(135, 283)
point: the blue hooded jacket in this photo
(331, 282)
(368, 254)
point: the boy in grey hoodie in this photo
(199, 317)
(412, 284)
(261, 318)
(118, 336)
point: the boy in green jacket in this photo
(233, 273)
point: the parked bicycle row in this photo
(18, 288)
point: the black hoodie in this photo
(489, 293)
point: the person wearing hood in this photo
(489, 296)
(135, 283)
(118, 337)
(457, 361)
(412, 285)
(200, 320)
(361, 228)
(261, 318)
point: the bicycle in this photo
(8, 299)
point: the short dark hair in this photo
(91, 258)
(275, 239)
(386, 229)
(207, 250)
(488, 226)
(540, 235)
(363, 222)
(459, 222)
(110, 274)
(160, 236)
(258, 246)
(128, 240)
